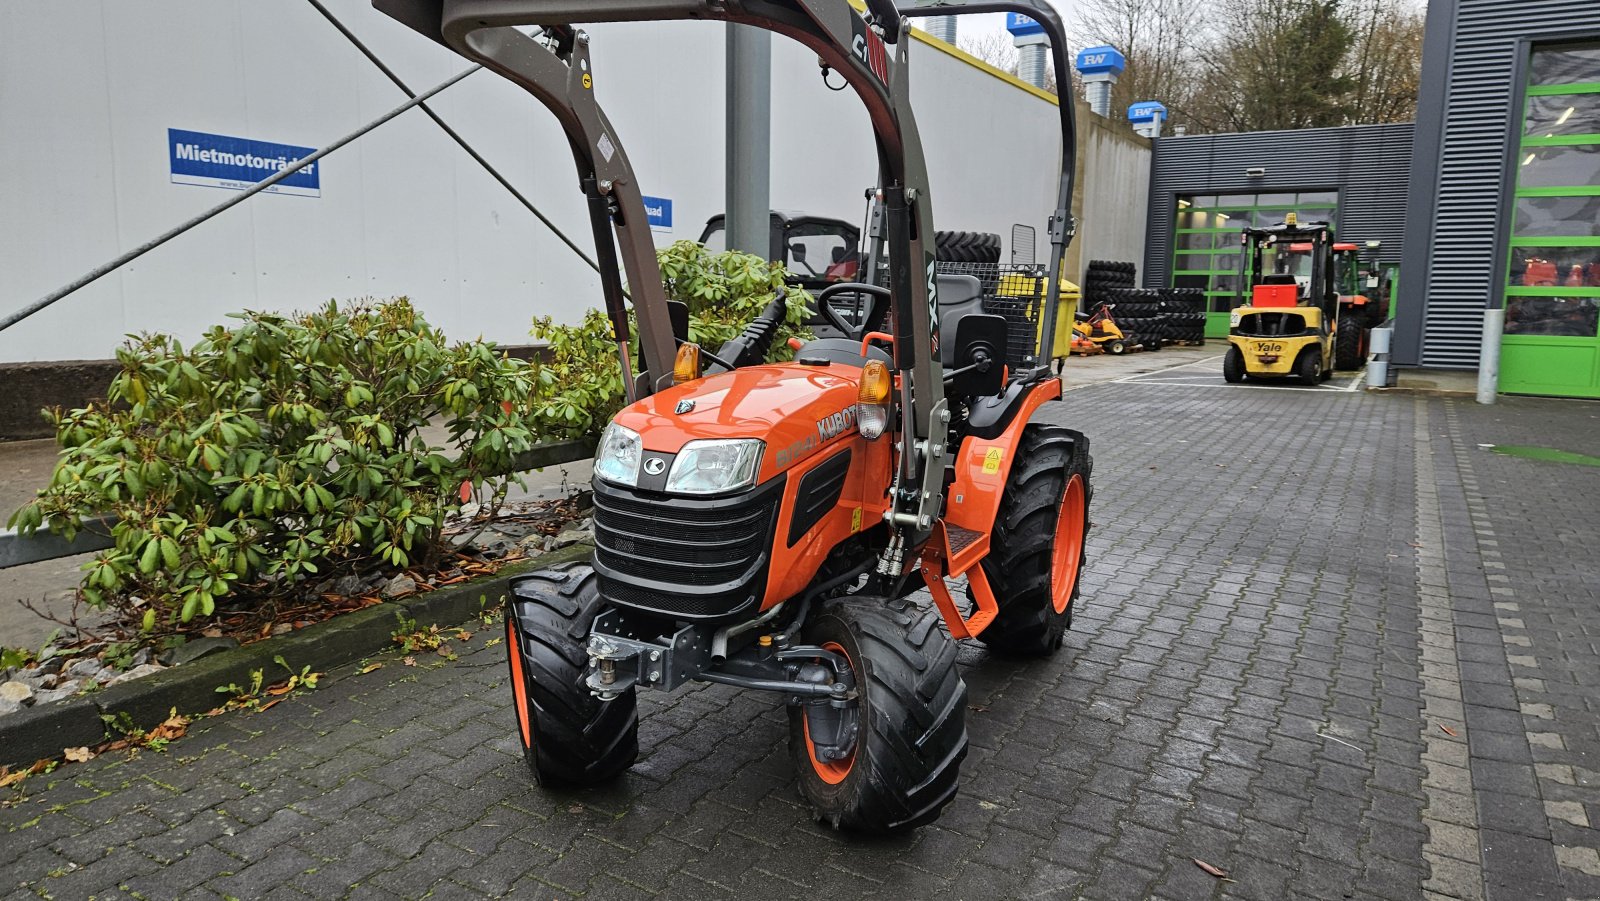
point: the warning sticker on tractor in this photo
(855, 520)
(607, 149)
(992, 460)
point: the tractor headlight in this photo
(716, 465)
(617, 460)
(872, 399)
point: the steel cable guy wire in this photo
(454, 135)
(258, 187)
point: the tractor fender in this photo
(983, 463)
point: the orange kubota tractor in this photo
(767, 525)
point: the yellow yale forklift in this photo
(1284, 325)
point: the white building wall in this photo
(84, 172)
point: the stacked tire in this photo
(967, 247)
(1149, 317)
(1184, 310)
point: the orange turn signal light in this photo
(686, 367)
(875, 383)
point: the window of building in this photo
(1553, 271)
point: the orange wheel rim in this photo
(832, 772)
(1068, 551)
(519, 687)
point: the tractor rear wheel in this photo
(1233, 366)
(910, 718)
(1309, 366)
(1350, 347)
(569, 737)
(1036, 553)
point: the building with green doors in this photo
(1505, 194)
(1489, 201)
(1205, 188)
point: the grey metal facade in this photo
(1473, 69)
(1368, 165)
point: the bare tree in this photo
(993, 47)
(1159, 38)
(1386, 61)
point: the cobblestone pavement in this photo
(1328, 644)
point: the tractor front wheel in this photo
(569, 737)
(1233, 366)
(909, 718)
(1116, 346)
(1036, 552)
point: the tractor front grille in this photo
(687, 558)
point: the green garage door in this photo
(1552, 341)
(1206, 246)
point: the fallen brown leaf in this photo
(173, 727)
(1220, 874)
(269, 705)
(79, 755)
(8, 779)
(1447, 730)
(410, 661)
(369, 668)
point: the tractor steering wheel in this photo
(869, 319)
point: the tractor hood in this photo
(796, 409)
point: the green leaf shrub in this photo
(580, 388)
(279, 450)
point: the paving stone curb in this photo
(43, 731)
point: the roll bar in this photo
(557, 74)
(1061, 226)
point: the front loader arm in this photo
(560, 76)
(483, 30)
(1061, 226)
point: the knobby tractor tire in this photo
(1036, 553)
(1309, 366)
(569, 737)
(967, 247)
(1350, 345)
(912, 715)
(1233, 366)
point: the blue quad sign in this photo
(1146, 112)
(1104, 60)
(658, 210)
(1021, 26)
(220, 161)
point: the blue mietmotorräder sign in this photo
(220, 161)
(659, 211)
(1020, 25)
